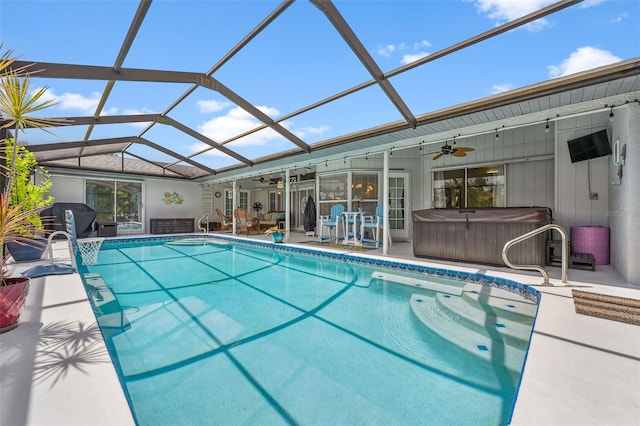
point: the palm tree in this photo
(17, 104)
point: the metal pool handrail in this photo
(206, 227)
(545, 275)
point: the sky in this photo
(300, 59)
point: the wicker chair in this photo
(226, 223)
(245, 222)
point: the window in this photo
(116, 201)
(470, 187)
(276, 202)
(364, 192)
(243, 201)
(397, 201)
(449, 189)
(332, 190)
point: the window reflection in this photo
(470, 187)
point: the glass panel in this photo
(276, 203)
(129, 205)
(242, 201)
(448, 189)
(396, 203)
(364, 192)
(116, 201)
(486, 187)
(483, 187)
(333, 190)
(100, 197)
(228, 203)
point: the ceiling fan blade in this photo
(458, 153)
(437, 156)
(464, 148)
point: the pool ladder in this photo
(204, 228)
(545, 275)
(72, 256)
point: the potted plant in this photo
(13, 290)
(276, 233)
(17, 215)
(31, 198)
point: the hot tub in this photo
(479, 235)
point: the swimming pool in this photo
(254, 333)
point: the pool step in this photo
(503, 303)
(465, 323)
(428, 284)
(109, 313)
(483, 319)
(199, 242)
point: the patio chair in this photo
(331, 221)
(245, 221)
(226, 223)
(375, 224)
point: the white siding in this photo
(530, 184)
(624, 206)
(574, 207)
(67, 189)
(71, 189)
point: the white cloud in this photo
(238, 121)
(409, 53)
(584, 58)
(311, 130)
(499, 88)
(589, 3)
(132, 111)
(76, 101)
(619, 18)
(419, 45)
(212, 106)
(502, 11)
(387, 50)
(411, 57)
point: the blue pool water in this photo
(257, 334)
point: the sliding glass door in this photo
(116, 201)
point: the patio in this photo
(580, 369)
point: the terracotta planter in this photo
(31, 250)
(12, 300)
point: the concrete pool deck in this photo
(54, 368)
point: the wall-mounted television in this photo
(591, 146)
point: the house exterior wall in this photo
(573, 204)
(624, 203)
(67, 189)
(527, 152)
(157, 205)
(539, 172)
(70, 188)
(531, 183)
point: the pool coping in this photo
(555, 389)
(458, 274)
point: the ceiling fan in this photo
(262, 179)
(453, 150)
